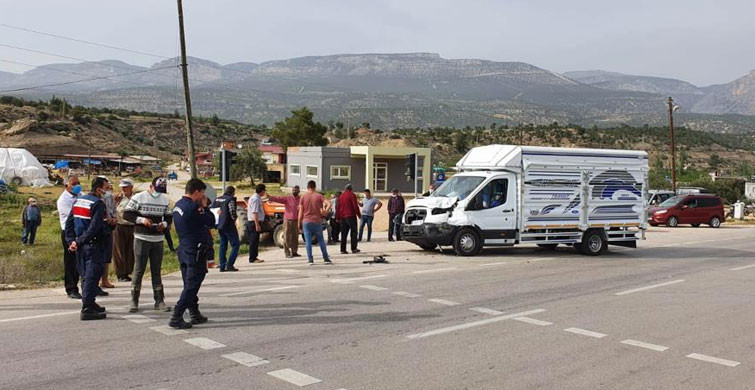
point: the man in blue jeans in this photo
(227, 228)
(370, 205)
(312, 206)
(31, 218)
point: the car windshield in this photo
(672, 201)
(458, 186)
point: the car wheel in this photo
(427, 247)
(549, 247)
(279, 236)
(467, 242)
(715, 222)
(672, 222)
(593, 243)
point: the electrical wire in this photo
(84, 80)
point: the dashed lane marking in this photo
(472, 324)
(168, 331)
(742, 267)
(444, 302)
(204, 343)
(288, 270)
(649, 287)
(492, 264)
(373, 288)
(294, 377)
(138, 318)
(641, 344)
(62, 313)
(585, 332)
(540, 259)
(711, 359)
(485, 310)
(258, 291)
(352, 280)
(430, 271)
(246, 359)
(533, 321)
(406, 294)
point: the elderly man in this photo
(110, 219)
(31, 218)
(255, 218)
(290, 221)
(65, 205)
(123, 236)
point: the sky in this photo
(703, 42)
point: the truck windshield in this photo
(458, 186)
(672, 201)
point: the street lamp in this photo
(671, 109)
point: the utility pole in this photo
(671, 109)
(185, 72)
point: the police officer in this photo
(87, 234)
(192, 219)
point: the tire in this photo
(427, 247)
(17, 181)
(593, 243)
(715, 222)
(672, 222)
(695, 225)
(467, 242)
(279, 236)
(550, 247)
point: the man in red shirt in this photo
(347, 213)
(290, 222)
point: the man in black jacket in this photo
(227, 228)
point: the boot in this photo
(100, 309)
(89, 312)
(134, 307)
(177, 320)
(160, 300)
(196, 316)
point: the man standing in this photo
(111, 222)
(335, 226)
(395, 208)
(192, 219)
(86, 232)
(311, 208)
(123, 238)
(290, 222)
(64, 205)
(370, 205)
(31, 218)
(255, 217)
(149, 212)
(227, 228)
(347, 214)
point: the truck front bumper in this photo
(429, 234)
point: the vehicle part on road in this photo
(672, 222)
(376, 259)
(467, 242)
(549, 247)
(594, 242)
(715, 222)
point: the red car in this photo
(688, 209)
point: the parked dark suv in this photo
(688, 209)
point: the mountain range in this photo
(393, 91)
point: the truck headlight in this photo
(659, 212)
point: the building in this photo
(378, 168)
(750, 190)
(275, 159)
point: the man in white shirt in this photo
(64, 205)
(255, 217)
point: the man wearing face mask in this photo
(87, 233)
(149, 212)
(65, 204)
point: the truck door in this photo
(493, 210)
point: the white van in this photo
(505, 195)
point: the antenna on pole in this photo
(185, 72)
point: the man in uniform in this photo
(87, 234)
(192, 219)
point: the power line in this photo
(84, 80)
(74, 73)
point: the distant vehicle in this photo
(688, 209)
(692, 191)
(656, 197)
(173, 176)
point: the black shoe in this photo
(90, 313)
(295, 255)
(197, 317)
(179, 323)
(221, 270)
(233, 269)
(98, 308)
(74, 295)
(390, 240)
(344, 253)
(127, 278)
(102, 293)
(328, 262)
(355, 251)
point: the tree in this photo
(248, 163)
(300, 129)
(715, 161)
(215, 120)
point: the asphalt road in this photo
(677, 313)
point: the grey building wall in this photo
(342, 157)
(397, 175)
(304, 156)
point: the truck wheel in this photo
(467, 242)
(279, 236)
(593, 243)
(427, 247)
(715, 222)
(549, 247)
(672, 222)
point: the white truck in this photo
(505, 195)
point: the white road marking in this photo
(168, 331)
(472, 324)
(406, 294)
(484, 310)
(654, 347)
(62, 313)
(294, 377)
(649, 287)
(743, 267)
(711, 359)
(138, 318)
(246, 359)
(533, 321)
(430, 271)
(352, 280)
(257, 291)
(288, 270)
(444, 302)
(541, 259)
(492, 264)
(585, 332)
(373, 288)
(204, 343)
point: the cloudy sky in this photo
(703, 42)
